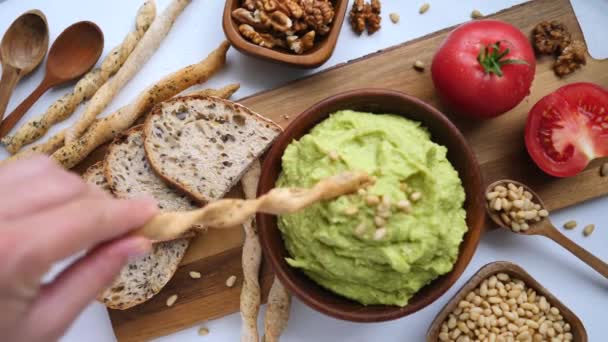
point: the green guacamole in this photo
(336, 242)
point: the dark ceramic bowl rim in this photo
(267, 223)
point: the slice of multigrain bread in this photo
(203, 145)
(143, 277)
(129, 174)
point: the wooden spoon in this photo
(73, 53)
(545, 228)
(22, 49)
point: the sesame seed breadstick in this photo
(227, 213)
(56, 142)
(277, 312)
(251, 259)
(86, 87)
(107, 128)
(143, 51)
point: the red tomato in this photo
(484, 68)
(568, 128)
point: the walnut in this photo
(301, 45)
(276, 20)
(318, 14)
(261, 39)
(249, 5)
(364, 16)
(551, 37)
(571, 58)
(250, 18)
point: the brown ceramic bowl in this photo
(459, 154)
(577, 329)
(313, 58)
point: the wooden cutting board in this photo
(498, 144)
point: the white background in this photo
(197, 31)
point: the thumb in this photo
(60, 302)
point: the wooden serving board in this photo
(498, 144)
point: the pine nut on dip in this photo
(384, 243)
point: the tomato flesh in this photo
(568, 128)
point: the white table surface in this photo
(196, 32)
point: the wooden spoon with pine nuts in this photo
(516, 207)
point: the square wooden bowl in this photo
(578, 331)
(312, 58)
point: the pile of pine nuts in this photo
(516, 206)
(504, 309)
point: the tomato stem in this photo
(492, 59)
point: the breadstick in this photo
(226, 213)
(171, 85)
(56, 141)
(277, 312)
(143, 51)
(86, 87)
(251, 259)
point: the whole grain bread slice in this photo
(129, 174)
(203, 145)
(94, 175)
(144, 277)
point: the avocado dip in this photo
(384, 243)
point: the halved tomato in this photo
(568, 128)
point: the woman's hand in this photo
(46, 215)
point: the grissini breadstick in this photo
(143, 51)
(107, 128)
(251, 259)
(86, 87)
(226, 213)
(56, 142)
(277, 312)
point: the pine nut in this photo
(476, 14)
(416, 196)
(203, 331)
(379, 234)
(372, 200)
(230, 281)
(425, 7)
(570, 224)
(588, 230)
(195, 275)
(491, 195)
(419, 65)
(404, 205)
(604, 170)
(394, 17)
(333, 155)
(171, 300)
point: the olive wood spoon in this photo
(22, 49)
(545, 228)
(73, 53)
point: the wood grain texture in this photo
(578, 329)
(498, 145)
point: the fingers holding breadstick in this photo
(228, 213)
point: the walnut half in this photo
(365, 16)
(571, 58)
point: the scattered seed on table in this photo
(588, 229)
(203, 331)
(230, 281)
(419, 65)
(195, 275)
(570, 224)
(476, 14)
(394, 17)
(171, 300)
(425, 7)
